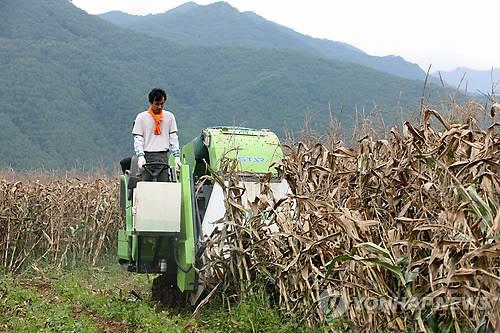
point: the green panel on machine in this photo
(256, 150)
(186, 278)
(123, 252)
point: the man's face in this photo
(157, 106)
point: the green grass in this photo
(250, 315)
(23, 309)
(87, 299)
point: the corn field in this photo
(56, 220)
(389, 235)
(400, 234)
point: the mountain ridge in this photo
(73, 83)
(472, 80)
(220, 24)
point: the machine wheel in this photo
(166, 292)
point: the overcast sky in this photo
(443, 33)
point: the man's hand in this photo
(141, 161)
(178, 162)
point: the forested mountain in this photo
(474, 81)
(220, 24)
(71, 85)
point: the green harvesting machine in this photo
(165, 223)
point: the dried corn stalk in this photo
(371, 233)
(58, 220)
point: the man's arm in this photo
(174, 144)
(139, 145)
(173, 139)
(138, 133)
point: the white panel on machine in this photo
(215, 211)
(157, 207)
(216, 208)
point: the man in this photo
(155, 134)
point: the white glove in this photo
(141, 161)
(178, 162)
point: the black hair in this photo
(156, 94)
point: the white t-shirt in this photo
(144, 125)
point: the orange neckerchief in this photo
(158, 118)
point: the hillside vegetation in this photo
(73, 83)
(219, 24)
